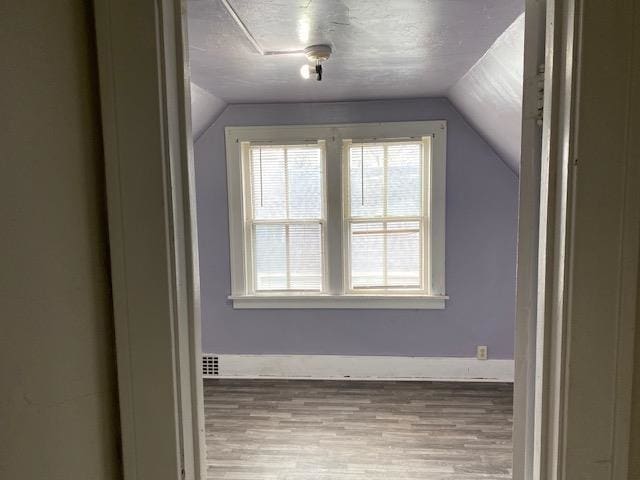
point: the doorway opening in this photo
(357, 235)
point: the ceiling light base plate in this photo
(318, 53)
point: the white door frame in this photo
(154, 255)
(536, 25)
(589, 188)
(152, 234)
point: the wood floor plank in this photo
(352, 430)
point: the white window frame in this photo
(348, 220)
(336, 138)
(250, 280)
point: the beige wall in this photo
(634, 467)
(58, 410)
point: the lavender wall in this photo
(480, 256)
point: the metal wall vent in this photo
(209, 365)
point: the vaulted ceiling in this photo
(381, 49)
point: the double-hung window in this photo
(384, 216)
(337, 216)
(285, 218)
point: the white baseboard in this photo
(333, 367)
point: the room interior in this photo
(373, 392)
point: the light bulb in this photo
(304, 71)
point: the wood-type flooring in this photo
(357, 430)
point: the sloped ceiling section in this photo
(381, 49)
(468, 50)
(205, 109)
(489, 95)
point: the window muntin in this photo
(286, 219)
(384, 210)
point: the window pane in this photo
(386, 184)
(367, 255)
(288, 256)
(366, 178)
(385, 179)
(403, 255)
(268, 183)
(404, 183)
(287, 186)
(304, 166)
(286, 182)
(305, 257)
(270, 257)
(386, 255)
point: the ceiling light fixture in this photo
(316, 54)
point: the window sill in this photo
(422, 302)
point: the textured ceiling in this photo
(382, 49)
(489, 95)
(205, 109)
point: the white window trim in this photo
(333, 135)
(426, 281)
